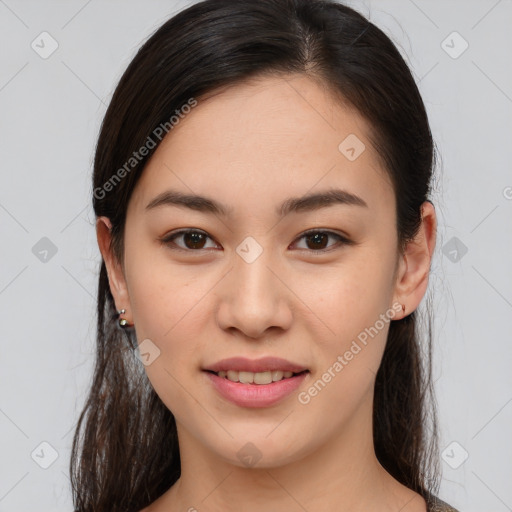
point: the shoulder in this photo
(437, 505)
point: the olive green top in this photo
(434, 504)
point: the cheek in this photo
(347, 361)
(353, 300)
(167, 305)
(168, 310)
(349, 296)
(163, 294)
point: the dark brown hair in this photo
(125, 451)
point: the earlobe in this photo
(115, 272)
(414, 269)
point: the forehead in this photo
(264, 140)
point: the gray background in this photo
(51, 109)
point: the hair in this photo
(125, 451)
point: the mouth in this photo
(256, 389)
(256, 378)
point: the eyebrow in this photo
(307, 203)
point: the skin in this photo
(250, 147)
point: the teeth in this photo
(255, 378)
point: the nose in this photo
(254, 298)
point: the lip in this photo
(255, 395)
(242, 364)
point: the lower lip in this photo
(256, 395)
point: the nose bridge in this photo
(253, 278)
(253, 298)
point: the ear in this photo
(115, 271)
(414, 265)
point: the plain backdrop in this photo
(51, 107)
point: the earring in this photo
(122, 321)
(403, 308)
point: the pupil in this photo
(195, 238)
(316, 238)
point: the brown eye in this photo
(317, 241)
(195, 241)
(192, 240)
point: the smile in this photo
(258, 378)
(252, 394)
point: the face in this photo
(263, 271)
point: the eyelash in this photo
(169, 240)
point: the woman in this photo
(261, 187)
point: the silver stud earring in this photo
(122, 321)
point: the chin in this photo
(261, 452)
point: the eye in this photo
(192, 239)
(316, 240)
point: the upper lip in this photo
(242, 364)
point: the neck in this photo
(340, 474)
